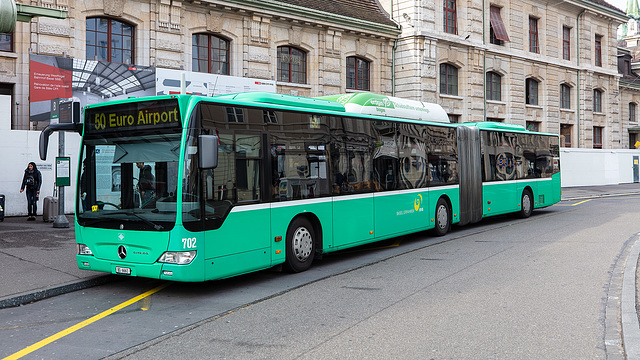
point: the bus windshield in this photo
(128, 178)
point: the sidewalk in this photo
(587, 192)
(38, 260)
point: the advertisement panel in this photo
(55, 81)
(171, 81)
(61, 80)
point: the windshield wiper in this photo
(145, 220)
(90, 221)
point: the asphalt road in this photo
(504, 288)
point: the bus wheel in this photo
(443, 218)
(300, 246)
(526, 205)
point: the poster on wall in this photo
(58, 80)
(170, 82)
(55, 81)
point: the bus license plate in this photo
(123, 270)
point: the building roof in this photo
(607, 5)
(367, 10)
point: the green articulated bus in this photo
(192, 188)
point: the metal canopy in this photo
(28, 12)
(107, 79)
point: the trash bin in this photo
(1, 207)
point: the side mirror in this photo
(44, 135)
(43, 144)
(208, 151)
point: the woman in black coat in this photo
(32, 180)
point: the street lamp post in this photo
(61, 220)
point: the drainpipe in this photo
(484, 67)
(393, 67)
(393, 56)
(578, 84)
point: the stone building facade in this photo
(629, 98)
(327, 33)
(549, 66)
(629, 67)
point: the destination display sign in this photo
(133, 116)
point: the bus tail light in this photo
(84, 249)
(177, 257)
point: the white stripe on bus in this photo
(280, 204)
(514, 181)
(241, 208)
(412, 191)
(300, 202)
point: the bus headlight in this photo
(84, 250)
(177, 257)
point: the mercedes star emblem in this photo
(122, 252)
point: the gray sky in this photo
(620, 4)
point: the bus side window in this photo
(385, 156)
(443, 155)
(413, 156)
(299, 154)
(246, 187)
(527, 165)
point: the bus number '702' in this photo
(188, 243)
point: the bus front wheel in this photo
(526, 205)
(443, 218)
(300, 246)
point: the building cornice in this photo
(607, 11)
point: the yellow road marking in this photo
(581, 202)
(395, 244)
(79, 326)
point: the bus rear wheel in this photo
(443, 218)
(526, 204)
(300, 245)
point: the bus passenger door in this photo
(499, 166)
(237, 222)
(352, 182)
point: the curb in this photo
(594, 196)
(630, 325)
(29, 297)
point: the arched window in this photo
(448, 79)
(292, 65)
(531, 91)
(597, 100)
(494, 91)
(565, 96)
(210, 54)
(357, 73)
(110, 40)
